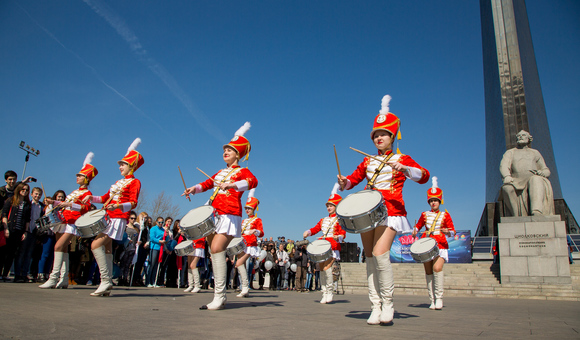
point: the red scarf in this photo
(162, 246)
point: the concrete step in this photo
(479, 279)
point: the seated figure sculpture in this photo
(526, 189)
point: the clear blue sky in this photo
(92, 75)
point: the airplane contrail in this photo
(115, 21)
(98, 76)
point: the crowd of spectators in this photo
(144, 257)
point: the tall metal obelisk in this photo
(513, 95)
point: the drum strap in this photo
(434, 223)
(217, 189)
(74, 196)
(332, 222)
(371, 182)
(249, 223)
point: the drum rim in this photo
(91, 214)
(182, 244)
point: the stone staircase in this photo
(479, 279)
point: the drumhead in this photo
(90, 217)
(184, 244)
(359, 203)
(423, 245)
(197, 215)
(318, 247)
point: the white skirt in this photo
(443, 253)
(399, 223)
(116, 228)
(229, 225)
(66, 229)
(336, 255)
(253, 251)
(199, 252)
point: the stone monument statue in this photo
(526, 189)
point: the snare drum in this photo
(198, 222)
(51, 220)
(92, 223)
(319, 251)
(184, 248)
(361, 211)
(424, 250)
(236, 246)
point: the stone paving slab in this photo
(144, 313)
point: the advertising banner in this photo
(459, 248)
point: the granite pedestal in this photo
(533, 249)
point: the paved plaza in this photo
(163, 313)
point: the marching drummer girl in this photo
(118, 201)
(73, 208)
(333, 233)
(251, 229)
(388, 177)
(228, 186)
(439, 226)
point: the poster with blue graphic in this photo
(459, 248)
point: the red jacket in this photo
(129, 187)
(230, 202)
(389, 182)
(329, 227)
(443, 221)
(70, 216)
(252, 223)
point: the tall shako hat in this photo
(240, 143)
(334, 198)
(133, 157)
(435, 192)
(88, 170)
(252, 201)
(386, 120)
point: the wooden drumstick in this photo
(373, 157)
(48, 212)
(107, 203)
(208, 176)
(338, 166)
(183, 182)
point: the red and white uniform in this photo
(330, 228)
(251, 238)
(429, 219)
(389, 182)
(229, 202)
(71, 214)
(124, 192)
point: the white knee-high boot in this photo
(63, 282)
(372, 281)
(386, 286)
(196, 280)
(329, 285)
(429, 280)
(323, 285)
(189, 280)
(219, 273)
(55, 274)
(438, 283)
(106, 285)
(244, 278)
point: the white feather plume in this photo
(88, 159)
(335, 189)
(251, 193)
(242, 131)
(135, 144)
(385, 104)
(434, 186)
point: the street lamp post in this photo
(29, 150)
